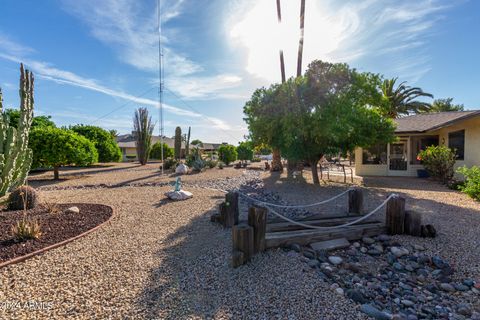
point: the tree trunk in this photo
(314, 164)
(291, 167)
(276, 161)
(56, 175)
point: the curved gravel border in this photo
(59, 244)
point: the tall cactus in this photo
(178, 142)
(15, 156)
(187, 144)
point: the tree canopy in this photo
(445, 105)
(330, 109)
(37, 122)
(227, 153)
(107, 148)
(54, 147)
(156, 151)
(197, 142)
(245, 151)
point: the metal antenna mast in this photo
(160, 80)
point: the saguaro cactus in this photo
(15, 156)
(178, 142)
(187, 143)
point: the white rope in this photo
(333, 227)
(268, 204)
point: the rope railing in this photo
(332, 227)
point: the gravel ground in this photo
(160, 259)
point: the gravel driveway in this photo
(165, 260)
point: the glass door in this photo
(398, 159)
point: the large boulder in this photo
(181, 169)
(179, 195)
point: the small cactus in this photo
(22, 198)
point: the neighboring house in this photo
(210, 147)
(458, 130)
(128, 145)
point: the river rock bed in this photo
(391, 281)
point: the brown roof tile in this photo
(430, 121)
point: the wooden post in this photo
(257, 219)
(242, 236)
(355, 201)
(395, 216)
(413, 223)
(231, 211)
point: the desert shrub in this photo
(22, 198)
(156, 151)
(439, 162)
(211, 163)
(26, 229)
(220, 165)
(51, 207)
(256, 159)
(193, 156)
(107, 147)
(227, 153)
(170, 163)
(471, 185)
(198, 164)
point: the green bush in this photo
(156, 151)
(54, 147)
(471, 186)
(211, 163)
(170, 163)
(245, 151)
(107, 148)
(439, 162)
(227, 153)
(256, 159)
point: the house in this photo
(128, 145)
(458, 130)
(211, 147)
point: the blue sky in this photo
(95, 61)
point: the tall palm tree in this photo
(402, 99)
(300, 41)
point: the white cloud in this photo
(334, 31)
(202, 87)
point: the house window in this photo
(376, 154)
(420, 143)
(456, 142)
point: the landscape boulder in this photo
(181, 169)
(179, 195)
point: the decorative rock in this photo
(356, 296)
(464, 309)
(339, 291)
(296, 247)
(384, 237)
(461, 287)
(181, 169)
(469, 282)
(407, 303)
(363, 250)
(368, 240)
(418, 247)
(179, 195)
(373, 312)
(378, 247)
(447, 287)
(335, 260)
(313, 263)
(334, 286)
(356, 245)
(399, 252)
(72, 210)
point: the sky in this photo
(96, 61)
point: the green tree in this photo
(54, 147)
(156, 151)
(245, 151)
(107, 147)
(330, 109)
(402, 100)
(197, 142)
(39, 121)
(227, 153)
(113, 133)
(445, 105)
(143, 130)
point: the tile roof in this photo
(431, 121)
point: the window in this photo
(456, 142)
(376, 154)
(420, 143)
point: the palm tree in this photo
(300, 42)
(445, 105)
(402, 99)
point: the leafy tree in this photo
(227, 153)
(39, 121)
(107, 148)
(445, 105)
(113, 133)
(245, 151)
(156, 151)
(328, 110)
(54, 147)
(197, 142)
(262, 149)
(402, 99)
(143, 130)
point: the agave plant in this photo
(402, 100)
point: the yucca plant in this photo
(26, 229)
(143, 130)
